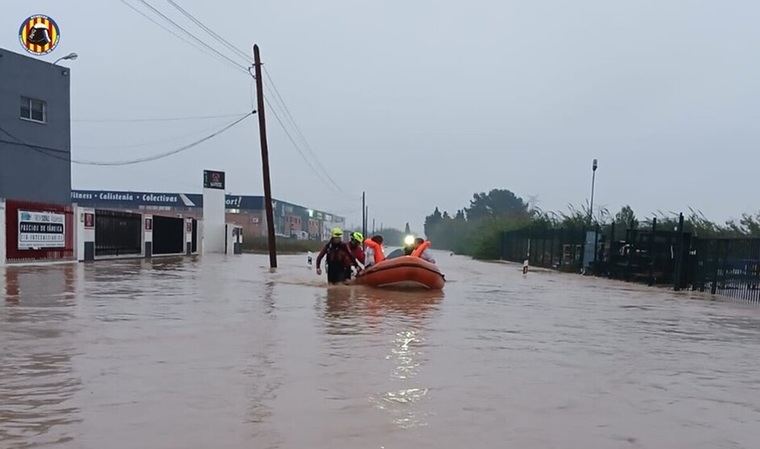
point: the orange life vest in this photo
(421, 249)
(377, 249)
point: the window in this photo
(34, 110)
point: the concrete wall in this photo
(251, 222)
(85, 234)
(188, 236)
(213, 221)
(26, 173)
(234, 239)
(147, 235)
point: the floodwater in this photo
(220, 353)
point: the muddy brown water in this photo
(220, 353)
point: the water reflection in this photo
(36, 334)
(355, 309)
(407, 354)
(220, 353)
(39, 285)
(264, 373)
(403, 316)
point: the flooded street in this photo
(219, 353)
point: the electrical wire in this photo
(322, 174)
(167, 140)
(290, 137)
(319, 175)
(276, 96)
(320, 170)
(211, 32)
(192, 36)
(50, 151)
(298, 130)
(165, 28)
(157, 119)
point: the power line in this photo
(290, 137)
(211, 32)
(192, 36)
(48, 151)
(168, 30)
(166, 140)
(276, 96)
(298, 129)
(320, 169)
(21, 142)
(157, 119)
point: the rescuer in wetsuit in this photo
(339, 259)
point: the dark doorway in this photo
(168, 235)
(117, 233)
(195, 236)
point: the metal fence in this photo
(560, 249)
(117, 233)
(647, 256)
(728, 267)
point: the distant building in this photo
(290, 220)
(35, 130)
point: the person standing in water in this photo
(355, 245)
(339, 259)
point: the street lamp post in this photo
(68, 57)
(594, 166)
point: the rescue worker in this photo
(374, 253)
(421, 250)
(355, 245)
(339, 259)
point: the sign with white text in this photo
(37, 230)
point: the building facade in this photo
(290, 220)
(35, 130)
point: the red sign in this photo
(89, 221)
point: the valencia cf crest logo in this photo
(39, 34)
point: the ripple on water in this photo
(218, 352)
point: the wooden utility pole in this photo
(364, 213)
(265, 159)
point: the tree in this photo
(751, 224)
(748, 225)
(432, 222)
(498, 203)
(626, 219)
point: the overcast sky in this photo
(422, 103)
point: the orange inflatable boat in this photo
(403, 272)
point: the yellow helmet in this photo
(336, 232)
(358, 236)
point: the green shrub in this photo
(284, 245)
